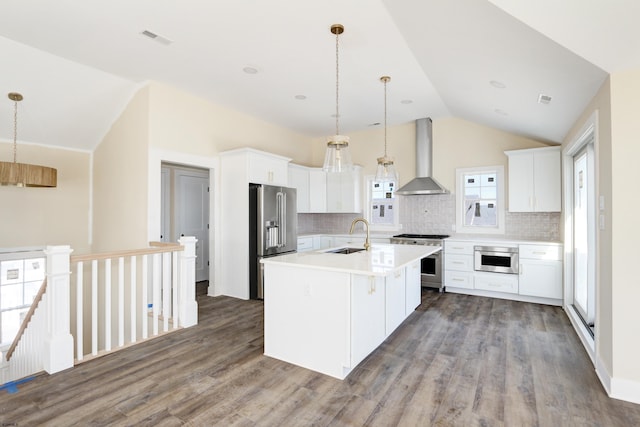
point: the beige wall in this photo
(120, 180)
(47, 216)
(604, 320)
(183, 122)
(625, 234)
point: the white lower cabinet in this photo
(458, 264)
(367, 316)
(541, 271)
(395, 300)
(497, 282)
(413, 289)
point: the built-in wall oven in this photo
(496, 259)
(431, 266)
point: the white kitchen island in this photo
(326, 312)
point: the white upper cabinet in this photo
(534, 180)
(334, 192)
(343, 191)
(267, 168)
(299, 179)
(317, 190)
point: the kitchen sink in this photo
(345, 251)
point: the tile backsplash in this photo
(436, 214)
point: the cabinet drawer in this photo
(544, 252)
(305, 244)
(458, 279)
(458, 262)
(496, 282)
(462, 248)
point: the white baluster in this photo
(156, 292)
(120, 301)
(133, 286)
(79, 312)
(166, 290)
(107, 304)
(144, 297)
(174, 284)
(94, 307)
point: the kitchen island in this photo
(327, 311)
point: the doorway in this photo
(584, 289)
(185, 210)
(580, 231)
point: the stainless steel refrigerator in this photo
(273, 224)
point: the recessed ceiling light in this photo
(406, 101)
(250, 70)
(300, 97)
(497, 84)
(156, 37)
(501, 112)
(544, 99)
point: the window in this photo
(20, 280)
(382, 205)
(480, 200)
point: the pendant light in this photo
(23, 174)
(386, 171)
(337, 158)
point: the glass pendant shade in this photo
(337, 157)
(386, 171)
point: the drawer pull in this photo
(539, 253)
(457, 280)
(457, 262)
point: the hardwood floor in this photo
(457, 361)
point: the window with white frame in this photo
(382, 205)
(480, 200)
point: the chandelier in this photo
(386, 171)
(23, 174)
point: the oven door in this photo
(431, 270)
(496, 260)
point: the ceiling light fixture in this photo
(337, 157)
(386, 171)
(23, 174)
(544, 99)
(497, 84)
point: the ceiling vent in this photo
(544, 99)
(155, 37)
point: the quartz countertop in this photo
(499, 239)
(380, 260)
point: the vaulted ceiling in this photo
(78, 62)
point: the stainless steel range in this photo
(431, 266)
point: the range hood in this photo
(423, 183)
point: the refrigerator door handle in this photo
(280, 213)
(283, 229)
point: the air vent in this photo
(544, 99)
(155, 37)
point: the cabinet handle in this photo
(457, 280)
(457, 262)
(540, 252)
(457, 247)
(521, 269)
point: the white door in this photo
(165, 204)
(191, 210)
(584, 235)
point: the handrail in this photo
(27, 318)
(156, 248)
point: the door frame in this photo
(156, 158)
(577, 143)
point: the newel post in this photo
(188, 304)
(58, 343)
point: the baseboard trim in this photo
(626, 390)
(603, 376)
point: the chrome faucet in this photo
(367, 245)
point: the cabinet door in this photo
(317, 191)
(547, 187)
(343, 191)
(541, 278)
(264, 169)
(367, 316)
(413, 289)
(395, 304)
(521, 182)
(299, 179)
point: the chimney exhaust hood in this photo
(423, 183)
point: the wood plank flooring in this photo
(457, 361)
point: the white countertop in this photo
(380, 260)
(499, 239)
